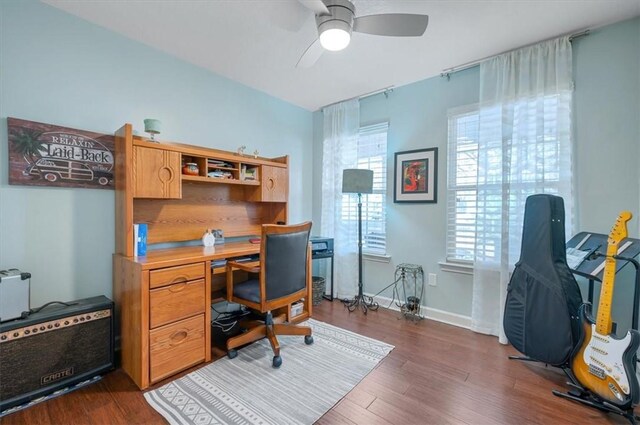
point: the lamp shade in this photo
(357, 181)
(152, 126)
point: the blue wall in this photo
(607, 140)
(62, 70)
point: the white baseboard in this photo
(430, 313)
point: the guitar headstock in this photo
(619, 229)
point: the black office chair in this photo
(284, 277)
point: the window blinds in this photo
(538, 163)
(371, 152)
(462, 182)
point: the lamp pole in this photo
(360, 245)
(363, 301)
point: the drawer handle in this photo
(182, 278)
(178, 287)
(178, 337)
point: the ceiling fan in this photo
(336, 20)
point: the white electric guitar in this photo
(604, 364)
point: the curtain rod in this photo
(385, 90)
(447, 72)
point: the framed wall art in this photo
(50, 155)
(416, 176)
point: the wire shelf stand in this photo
(409, 278)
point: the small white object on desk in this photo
(208, 239)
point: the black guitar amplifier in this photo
(57, 347)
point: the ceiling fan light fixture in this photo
(336, 19)
(335, 35)
(335, 39)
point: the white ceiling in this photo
(258, 42)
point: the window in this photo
(538, 163)
(462, 184)
(371, 155)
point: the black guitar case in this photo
(543, 297)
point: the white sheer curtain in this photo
(524, 147)
(341, 127)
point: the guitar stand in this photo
(582, 395)
(577, 392)
(524, 359)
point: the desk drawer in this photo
(175, 302)
(176, 347)
(170, 275)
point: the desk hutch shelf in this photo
(163, 299)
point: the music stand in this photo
(359, 181)
(593, 246)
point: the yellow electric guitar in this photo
(603, 363)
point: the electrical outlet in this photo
(433, 279)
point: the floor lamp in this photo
(359, 181)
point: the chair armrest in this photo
(248, 266)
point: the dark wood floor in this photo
(437, 374)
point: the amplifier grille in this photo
(33, 362)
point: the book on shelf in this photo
(219, 174)
(250, 174)
(218, 163)
(139, 239)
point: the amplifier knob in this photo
(75, 320)
(34, 330)
(42, 328)
(82, 319)
(16, 334)
(49, 326)
(3, 337)
(57, 325)
(27, 332)
(88, 317)
(66, 322)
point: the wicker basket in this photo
(318, 288)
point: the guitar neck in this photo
(603, 323)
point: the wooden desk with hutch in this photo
(163, 299)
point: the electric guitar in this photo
(603, 363)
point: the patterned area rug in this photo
(247, 390)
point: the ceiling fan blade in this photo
(311, 55)
(392, 24)
(318, 7)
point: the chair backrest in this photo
(283, 255)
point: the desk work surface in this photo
(175, 256)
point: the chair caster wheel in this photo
(277, 361)
(308, 339)
(232, 354)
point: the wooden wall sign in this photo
(48, 155)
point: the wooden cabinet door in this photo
(274, 184)
(156, 173)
